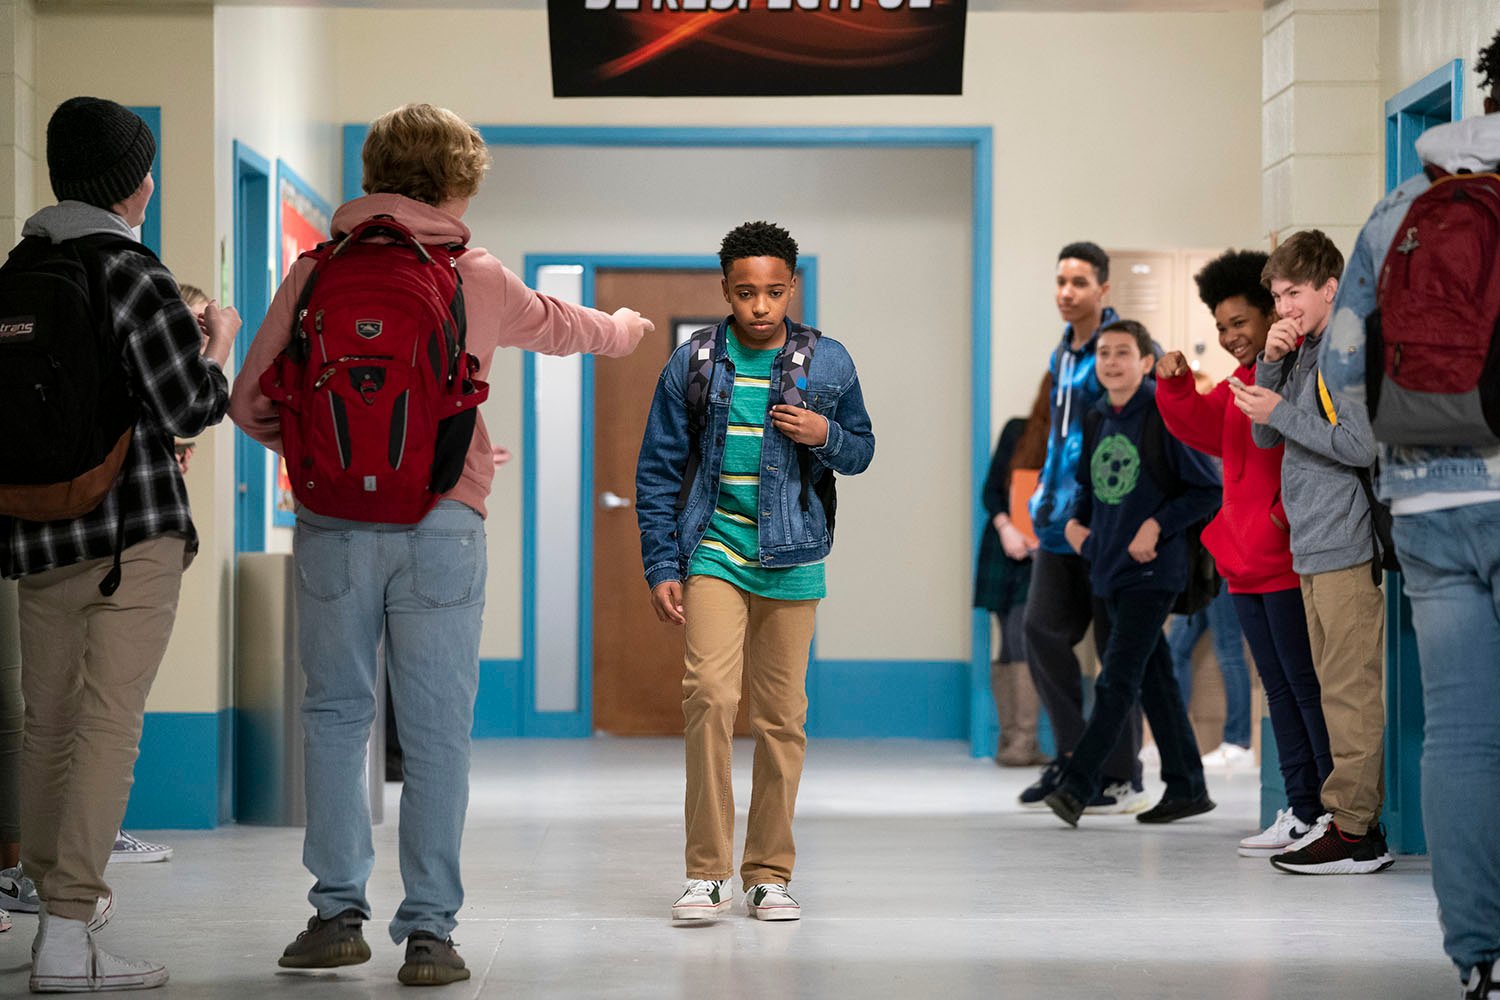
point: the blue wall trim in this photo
(497, 711)
(908, 699)
(182, 775)
(978, 725)
(1433, 100)
(252, 296)
(151, 227)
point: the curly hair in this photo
(1235, 272)
(426, 153)
(758, 239)
(1488, 67)
(1308, 257)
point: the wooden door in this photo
(637, 659)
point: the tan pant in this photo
(1346, 628)
(733, 634)
(87, 663)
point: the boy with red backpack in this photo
(1444, 491)
(365, 375)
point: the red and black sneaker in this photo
(1327, 850)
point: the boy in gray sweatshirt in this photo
(1328, 443)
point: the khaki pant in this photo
(732, 635)
(87, 663)
(1346, 629)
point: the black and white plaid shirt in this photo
(181, 394)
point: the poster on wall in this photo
(303, 219)
(755, 48)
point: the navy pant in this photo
(1137, 667)
(1275, 625)
(1058, 611)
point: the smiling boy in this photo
(734, 531)
(1332, 551)
(1139, 491)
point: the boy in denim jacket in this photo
(733, 544)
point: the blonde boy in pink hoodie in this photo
(422, 585)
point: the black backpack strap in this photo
(1154, 458)
(796, 359)
(695, 397)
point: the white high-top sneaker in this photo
(65, 959)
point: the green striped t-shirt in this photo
(731, 546)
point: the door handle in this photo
(609, 500)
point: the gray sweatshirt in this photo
(1325, 503)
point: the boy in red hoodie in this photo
(1250, 540)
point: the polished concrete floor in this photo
(918, 875)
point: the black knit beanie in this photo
(97, 151)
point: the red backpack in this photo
(376, 391)
(1432, 360)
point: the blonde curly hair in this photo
(424, 152)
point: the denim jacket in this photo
(789, 536)
(1407, 471)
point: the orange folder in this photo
(1022, 485)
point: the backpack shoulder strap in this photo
(1154, 459)
(700, 373)
(797, 356)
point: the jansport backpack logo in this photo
(1432, 365)
(68, 413)
(376, 391)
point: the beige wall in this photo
(1158, 146)
(162, 58)
(20, 153)
(1418, 36)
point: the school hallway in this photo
(918, 875)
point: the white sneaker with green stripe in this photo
(703, 899)
(772, 902)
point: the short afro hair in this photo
(1144, 344)
(1090, 253)
(1488, 67)
(758, 239)
(1235, 272)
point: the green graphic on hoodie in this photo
(1116, 468)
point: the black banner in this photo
(755, 48)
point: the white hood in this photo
(1472, 144)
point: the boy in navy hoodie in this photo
(1139, 491)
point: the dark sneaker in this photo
(1065, 805)
(1168, 810)
(328, 944)
(1326, 850)
(431, 961)
(1044, 785)
(1482, 984)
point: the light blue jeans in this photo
(1451, 562)
(420, 588)
(1183, 634)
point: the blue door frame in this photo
(979, 141)
(252, 297)
(1434, 100)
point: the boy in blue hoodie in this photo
(1139, 490)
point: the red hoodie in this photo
(1248, 538)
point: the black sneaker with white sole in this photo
(1327, 850)
(1482, 984)
(1045, 784)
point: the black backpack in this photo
(69, 413)
(802, 342)
(1203, 581)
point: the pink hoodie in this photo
(501, 310)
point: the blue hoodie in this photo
(1075, 389)
(1116, 494)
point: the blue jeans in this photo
(1275, 625)
(420, 588)
(1451, 560)
(1229, 649)
(1136, 667)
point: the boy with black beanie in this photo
(98, 592)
